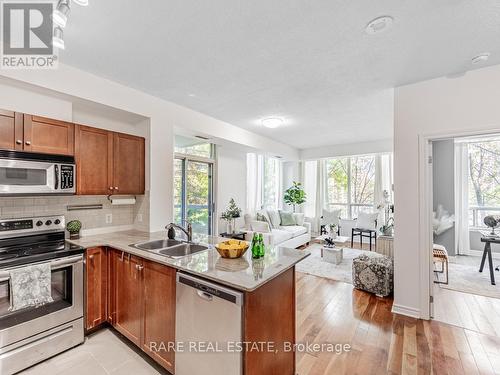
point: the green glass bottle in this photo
(255, 246)
(262, 248)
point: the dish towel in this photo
(30, 286)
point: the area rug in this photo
(315, 265)
(465, 277)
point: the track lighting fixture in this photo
(60, 15)
(58, 38)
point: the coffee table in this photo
(333, 254)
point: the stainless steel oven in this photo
(33, 334)
(26, 173)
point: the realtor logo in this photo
(27, 31)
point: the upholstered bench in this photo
(373, 274)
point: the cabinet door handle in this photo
(139, 267)
(116, 187)
(19, 142)
(91, 257)
(111, 188)
(28, 143)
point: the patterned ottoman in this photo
(373, 274)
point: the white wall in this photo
(439, 107)
(346, 149)
(163, 117)
(231, 182)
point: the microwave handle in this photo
(56, 172)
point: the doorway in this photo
(464, 186)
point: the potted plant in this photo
(295, 195)
(230, 214)
(73, 227)
(388, 228)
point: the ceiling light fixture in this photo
(82, 3)
(60, 15)
(379, 25)
(483, 57)
(272, 122)
(58, 38)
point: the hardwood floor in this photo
(382, 342)
(476, 313)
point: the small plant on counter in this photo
(73, 227)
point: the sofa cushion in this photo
(294, 230)
(260, 226)
(286, 218)
(280, 236)
(299, 218)
(274, 218)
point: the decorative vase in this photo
(230, 226)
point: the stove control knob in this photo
(39, 223)
(48, 222)
(57, 221)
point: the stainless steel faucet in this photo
(188, 231)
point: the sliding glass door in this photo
(193, 193)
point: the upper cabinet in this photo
(128, 162)
(48, 136)
(108, 162)
(11, 130)
(94, 161)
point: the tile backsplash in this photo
(122, 215)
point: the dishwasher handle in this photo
(208, 291)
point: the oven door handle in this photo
(56, 176)
(54, 265)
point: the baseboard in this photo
(407, 311)
(104, 230)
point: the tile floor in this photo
(103, 353)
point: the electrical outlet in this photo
(109, 218)
(139, 218)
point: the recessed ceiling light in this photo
(379, 25)
(483, 57)
(192, 95)
(272, 122)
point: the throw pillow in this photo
(367, 220)
(299, 218)
(263, 218)
(260, 226)
(331, 217)
(275, 219)
(287, 218)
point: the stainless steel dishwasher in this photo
(208, 327)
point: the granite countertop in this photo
(245, 273)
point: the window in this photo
(193, 184)
(351, 185)
(263, 182)
(484, 180)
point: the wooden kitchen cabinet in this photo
(94, 161)
(128, 293)
(11, 130)
(108, 162)
(96, 285)
(128, 162)
(142, 304)
(48, 136)
(159, 313)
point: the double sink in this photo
(170, 248)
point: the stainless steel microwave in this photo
(26, 173)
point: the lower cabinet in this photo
(96, 286)
(134, 295)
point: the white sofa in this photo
(274, 234)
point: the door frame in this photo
(425, 237)
(212, 190)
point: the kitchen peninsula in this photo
(137, 292)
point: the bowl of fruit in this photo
(232, 248)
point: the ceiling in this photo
(308, 61)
